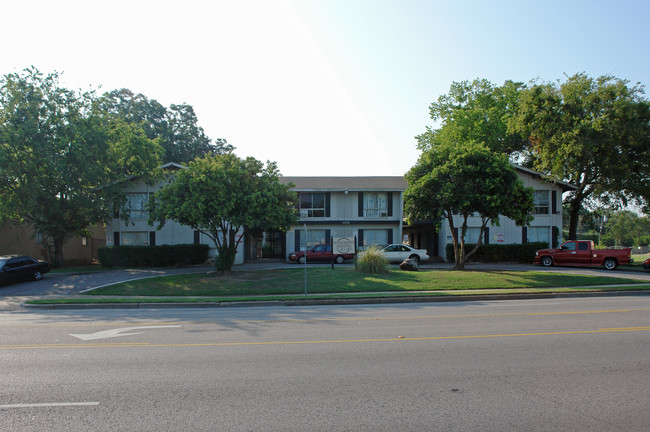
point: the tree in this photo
(56, 149)
(466, 179)
(476, 111)
(626, 228)
(593, 133)
(219, 195)
(176, 127)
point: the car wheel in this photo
(415, 258)
(547, 261)
(38, 275)
(301, 259)
(339, 259)
(610, 264)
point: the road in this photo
(533, 365)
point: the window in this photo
(135, 238)
(541, 202)
(569, 246)
(472, 235)
(537, 234)
(312, 205)
(375, 204)
(136, 205)
(375, 236)
(314, 237)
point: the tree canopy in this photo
(476, 111)
(593, 133)
(466, 179)
(220, 195)
(176, 127)
(57, 148)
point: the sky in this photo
(322, 87)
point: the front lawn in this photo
(342, 280)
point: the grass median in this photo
(322, 282)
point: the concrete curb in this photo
(341, 301)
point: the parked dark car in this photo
(322, 253)
(14, 268)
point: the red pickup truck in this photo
(583, 253)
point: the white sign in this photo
(343, 245)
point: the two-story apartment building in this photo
(136, 231)
(545, 227)
(368, 208)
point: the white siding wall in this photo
(508, 232)
(344, 220)
(170, 234)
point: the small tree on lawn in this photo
(219, 195)
(466, 179)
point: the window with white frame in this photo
(375, 204)
(136, 206)
(314, 237)
(375, 236)
(472, 235)
(311, 204)
(134, 238)
(541, 202)
(538, 234)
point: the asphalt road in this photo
(529, 365)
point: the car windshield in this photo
(3, 261)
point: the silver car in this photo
(400, 252)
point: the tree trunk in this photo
(58, 253)
(574, 217)
(454, 240)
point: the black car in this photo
(15, 268)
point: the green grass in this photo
(345, 280)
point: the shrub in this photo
(153, 256)
(521, 253)
(371, 260)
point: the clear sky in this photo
(322, 87)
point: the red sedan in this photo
(319, 253)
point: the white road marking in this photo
(117, 332)
(50, 404)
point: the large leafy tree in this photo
(176, 127)
(59, 154)
(466, 179)
(220, 195)
(476, 111)
(626, 228)
(593, 133)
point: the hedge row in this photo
(153, 256)
(521, 253)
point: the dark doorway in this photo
(265, 245)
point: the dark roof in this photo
(565, 186)
(388, 183)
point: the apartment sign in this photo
(343, 245)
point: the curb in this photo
(342, 301)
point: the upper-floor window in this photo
(136, 205)
(375, 204)
(312, 205)
(541, 202)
